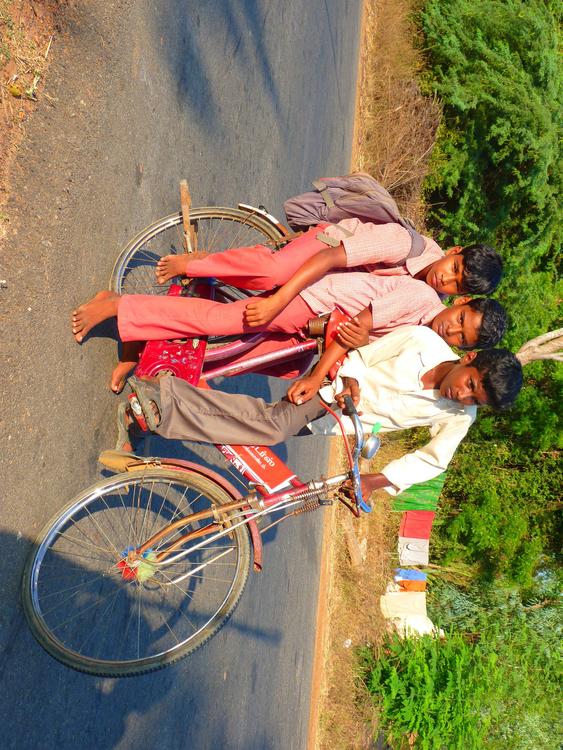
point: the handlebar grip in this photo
(349, 407)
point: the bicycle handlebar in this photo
(350, 411)
(349, 408)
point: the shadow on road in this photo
(58, 705)
(237, 35)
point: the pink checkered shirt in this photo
(372, 245)
(395, 300)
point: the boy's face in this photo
(446, 275)
(458, 325)
(464, 383)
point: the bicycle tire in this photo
(219, 228)
(79, 602)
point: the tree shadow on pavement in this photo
(239, 41)
(51, 705)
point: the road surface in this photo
(249, 100)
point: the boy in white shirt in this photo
(408, 378)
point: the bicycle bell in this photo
(373, 443)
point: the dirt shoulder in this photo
(27, 32)
(349, 614)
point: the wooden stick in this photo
(189, 238)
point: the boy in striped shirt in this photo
(393, 291)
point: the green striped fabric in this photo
(422, 496)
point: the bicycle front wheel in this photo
(96, 613)
(216, 228)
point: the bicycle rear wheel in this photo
(90, 610)
(217, 228)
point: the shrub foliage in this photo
(496, 177)
(490, 683)
(494, 65)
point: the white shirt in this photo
(389, 372)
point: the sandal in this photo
(127, 430)
(141, 400)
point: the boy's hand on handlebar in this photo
(370, 483)
(303, 390)
(352, 334)
(261, 311)
(351, 388)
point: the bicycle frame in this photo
(249, 353)
(248, 511)
(158, 556)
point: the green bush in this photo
(494, 686)
(500, 509)
(496, 177)
(496, 172)
(435, 689)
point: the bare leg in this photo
(175, 265)
(99, 308)
(128, 360)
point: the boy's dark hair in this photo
(502, 376)
(493, 326)
(482, 269)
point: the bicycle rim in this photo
(217, 228)
(90, 611)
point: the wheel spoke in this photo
(88, 544)
(73, 588)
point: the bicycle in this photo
(167, 536)
(143, 568)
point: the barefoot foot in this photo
(175, 265)
(120, 374)
(99, 308)
(129, 359)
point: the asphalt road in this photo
(249, 100)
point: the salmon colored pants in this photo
(259, 267)
(147, 317)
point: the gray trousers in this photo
(190, 413)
